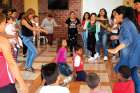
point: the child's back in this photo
(54, 89)
(50, 73)
(124, 87)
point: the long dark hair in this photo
(112, 16)
(93, 14)
(105, 16)
(128, 12)
(85, 15)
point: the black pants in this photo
(8, 89)
(72, 40)
(24, 49)
(91, 43)
(50, 39)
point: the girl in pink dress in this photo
(61, 58)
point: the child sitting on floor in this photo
(124, 85)
(50, 74)
(93, 81)
(79, 64)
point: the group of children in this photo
(52, 72)
(53, 83)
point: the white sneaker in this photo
(105, 58)
(96, 56)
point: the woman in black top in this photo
(72, 24)
(27, 35)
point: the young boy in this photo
(124, 85)
(79, 64)
(93, 81)
(50, 74)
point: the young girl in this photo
(124, 85)
(61, 58)
(16, 42)
(93, 28)
(11, 30)
(91, 34)
(103, 35)
(85, 21)
(79, 64)
(114, 31)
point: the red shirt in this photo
(124, 87)
(6, 77)
(79, 62)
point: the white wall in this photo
(96, 5)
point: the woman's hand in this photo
(113, 51)
(44, 30)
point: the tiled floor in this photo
(47, 54)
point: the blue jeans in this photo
(84, 38)
(31, 51)
(136, 78)
(103, 37)
(64, 69)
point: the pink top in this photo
(124, 87)
(61, 55)
(5, 74)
